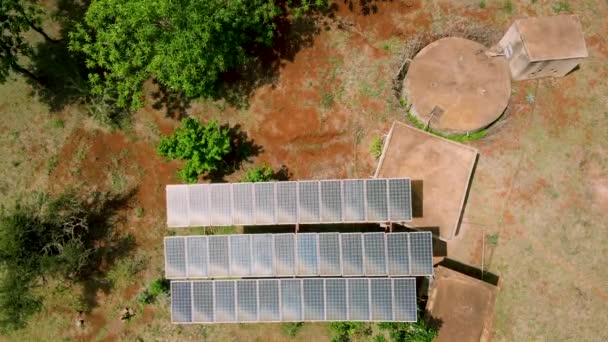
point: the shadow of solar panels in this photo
(303, 255)
(294, 300)
(286, 203)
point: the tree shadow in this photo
(282, 174)
(62, 74)
(243, 149)
(108, 245)
(291, 36)
(176, 104)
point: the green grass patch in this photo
(482, 4)
(457, 137)
(561, 6)
(376, 147)
(492, 239)
(291, 329)
(508, 7)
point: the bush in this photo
(202, 147)
(39, 237)
(420, 331)
(159, 286)
(346, 331)
(376, 147)
(155, 289)
(259, 174)
(291, 329)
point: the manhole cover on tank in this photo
(455, 87)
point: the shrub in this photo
(562, 6)
(420, 331)
(202, 147)
(376, 147)
(291, 329)
(259, 174)
(346, 331)
(159, 286)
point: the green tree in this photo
(259, 174)
(186, 45)
(41, 237)
(16, 18)
(202, 147)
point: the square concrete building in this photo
(464, 306)
(544, 46)
(440, 171)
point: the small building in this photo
(544, 46)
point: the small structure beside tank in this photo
(544, 46)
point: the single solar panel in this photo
(294, 300)
(225, 301)
(399, 195)
(308, 198)
(221, 204)
(202, 301)
(240, 255)
(404, 292)
(291, 299)
(198, 205)
(247, 301)
(313, 299)
(352, 254)
(354, 200)
(175, 258)
(336, 308)
(295, 202)
(331, 201)
(375, 254)
(329, 254)
(285, 254)
(265, 203)
(398, 248)
(219, 256)
(307, 257)
(421, 251)
(376, 195)
(181, 302)
(262, 250)
(177, 206)
(268, 290)
(197, 256)
(381, 299)
(358, 299)
(287, 204)
(243, 210)
(303, 254)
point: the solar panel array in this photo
(296, 202)
(294, 300)
(302, 254)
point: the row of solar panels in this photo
(296, 202)
(294, 300)
(303, 254)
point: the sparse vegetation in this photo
(261, 173)
(156, 288)
(347, 331)
(482, 4)
(561, 6)
(202, 147)
(376, 147)
(291, 329)
(492, 239)
(420, 331)
(508, 6)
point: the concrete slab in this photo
(464, 306)
(440, 171)
(458, 88)
(555, 37)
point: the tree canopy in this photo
(184, 44)
(203, 147)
